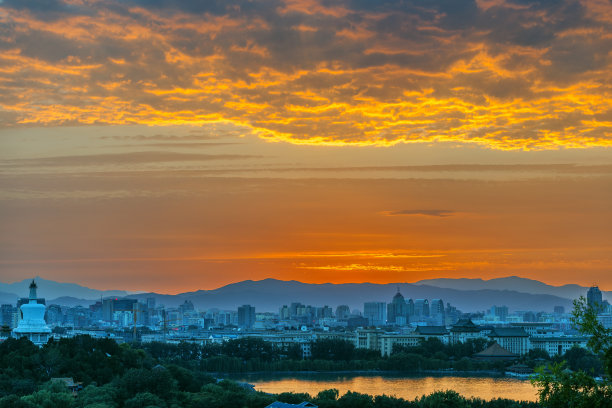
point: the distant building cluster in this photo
(378, 326)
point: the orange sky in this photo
(177, 145)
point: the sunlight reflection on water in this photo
(404, 387)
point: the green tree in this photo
(444, 399)
(53, 394)
(332, 349)
(560, 387)
(144, 400)
(249, 348)
(356, 400)
(92, 395)
(13, 401)
(157, 381)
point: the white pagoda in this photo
(32, 324)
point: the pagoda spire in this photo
(33, 288)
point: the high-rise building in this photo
(421, 308)
(343, 312)
(559, 310)
(324, 312)
(397, 310)
(437, 312)
(284, 313)
(141, 313)
(54, 315)
(8, 314)
(293, 309)
(452, 314)
(594, 299)
(410, 309)
(150, 303)
(246, 316)
(112, 305)
(375, 312)
(500, 312)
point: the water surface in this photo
(407, 387)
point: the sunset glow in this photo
(177, 145)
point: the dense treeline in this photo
(254, 354)
(128, 377)
(169, 375)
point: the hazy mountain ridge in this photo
(525, 285)
(269, 295)
(49, 289)
(8, 298)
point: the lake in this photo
(407, 387)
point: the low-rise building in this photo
(368, 339)
(387, 341)
(464, 330)
(513, 339)
(437, 332)
(557, 345)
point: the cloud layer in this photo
(505, 74)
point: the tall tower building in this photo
(594, 299)
(246, 316)
(397, 310)
(375, 312)
(437, 311)
(343, 312)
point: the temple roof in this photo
(495, 351)
(431, 330)
(508, 332)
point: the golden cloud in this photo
(499, 74)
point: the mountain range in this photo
(49, 289)
(269, 294)
(515, 283)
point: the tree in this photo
(92, 395)
(144, 400)
(157, 381)
(249, 348)
(332, 349)
(51, 395)
(584, 318)
(561, 387)
(444, 399)
(356, 400)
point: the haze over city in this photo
(171, 146)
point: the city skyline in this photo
(166, 146)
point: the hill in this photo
(270, 294)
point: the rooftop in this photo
(508, 332)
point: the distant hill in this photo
(512, 283)
(70, 301)
(49, 289)
(270, 294)
(8, 298)
(468, 295)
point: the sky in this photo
(174, 145)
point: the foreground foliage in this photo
(560, 387)
(126, 377)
